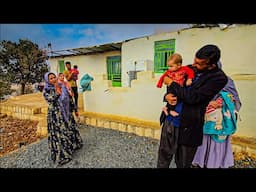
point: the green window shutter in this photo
(163, 49)
(114, 70)
(61, 66)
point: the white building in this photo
(125, 73)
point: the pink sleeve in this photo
(219, 101)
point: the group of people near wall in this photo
(196, 124)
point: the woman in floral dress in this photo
(63, 134)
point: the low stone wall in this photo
(121, 123)
(31, 107)
(27, 113)
(38, 112)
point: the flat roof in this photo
(87, 50)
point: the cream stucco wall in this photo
(91, 64)
(247, 92)
(138, 101)
(237, 44)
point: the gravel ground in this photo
(103, 148)
(244, 160)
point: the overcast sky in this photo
(67, 36)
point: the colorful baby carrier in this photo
(228, 120)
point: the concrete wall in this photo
(139, 101)
(246, 85)
(91, 64)
(237, 44)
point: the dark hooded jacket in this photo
(195, 99)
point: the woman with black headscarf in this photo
(217, 153)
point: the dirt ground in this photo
(14, 133)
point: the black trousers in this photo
(75, 91)
(169, 146)
(184, 156)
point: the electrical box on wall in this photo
(137, 66)
(143, 65)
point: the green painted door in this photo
(114, 70)
(61, 66)
(163, 49)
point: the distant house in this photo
(125, 73)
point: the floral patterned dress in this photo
(63, 136)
